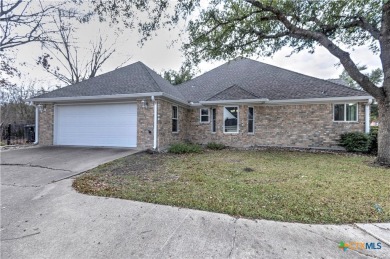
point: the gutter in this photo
(94, 97)
(320, 100)
(263, 100)
(367, 114)
(191, 104)
(36, 125)
(107, 97)
(154, 123)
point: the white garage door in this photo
(105, 125)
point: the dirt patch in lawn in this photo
(277, 185)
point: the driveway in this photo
(43, 217)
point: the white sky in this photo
(158, 55)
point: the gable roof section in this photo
(264, 81)
(131, 79)
(233, 92)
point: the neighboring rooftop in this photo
(261, 80)
(131, 79)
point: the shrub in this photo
(373, 141)
(181, 148)
(215, 146)
(355, 141)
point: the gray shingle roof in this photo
(338, 81)
(233, 93)
(131, 79)
(240, 78)
(262, 80)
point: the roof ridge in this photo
(205, 73)
(147, 70)
(327, 80)
(245, 58)
(227, 88)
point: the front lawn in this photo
(276, 185)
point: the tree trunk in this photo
(384, 132)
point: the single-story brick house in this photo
(241, 103)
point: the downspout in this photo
(367, 115)
(154, 123)
(36, 125)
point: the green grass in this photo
(276, 185)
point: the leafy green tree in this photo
(178, 77)
(375, 76)
(228, 28)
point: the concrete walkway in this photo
(51, 220)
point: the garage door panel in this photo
(96, 125)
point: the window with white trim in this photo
(175, 127)
(230, 119)
(204, 115)
(345, 112)
(251, 125)
(213, 120)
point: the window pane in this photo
(230, 115)
(174, 125)
(250, 113)
(250, 120)
(204, 115)
(174, 112)
(214, 126)
(250, 126)
(352, 112)
(339, 112)
(174, 119)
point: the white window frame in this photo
(177, 118)
(208, 115)
(212, 119)
(238, 119)
(253, 120)
(345, 112)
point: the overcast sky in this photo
(159, 55)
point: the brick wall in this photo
(144, 125)
(165, 135)
(46, 122)
(290, 125)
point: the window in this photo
(214, 120)
(204, 115)
(345, 112)
(251, 125)
(230, 117)
(174, 119)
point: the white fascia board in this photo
(93, 98)
(252, 101)
(320, 100)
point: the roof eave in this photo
(93, 98)
(254, 101)
(320, 100)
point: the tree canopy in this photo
(227, 28)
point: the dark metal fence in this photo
(17, 134)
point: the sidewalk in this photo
(58, 222)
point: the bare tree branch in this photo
(65, 51)
(19, 15)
